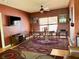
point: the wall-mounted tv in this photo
(12, 19)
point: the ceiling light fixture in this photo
(42, 9)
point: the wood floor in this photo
(4, 49)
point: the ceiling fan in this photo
(42, 9)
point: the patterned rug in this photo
(38, 45)
(11, 54)
(14, 54)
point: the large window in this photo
(49, 22)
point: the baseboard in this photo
(8, 46)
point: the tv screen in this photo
(12, 19)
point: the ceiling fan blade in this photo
(46, 9)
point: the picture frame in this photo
(35, 20)
(62, 19)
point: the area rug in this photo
(34, 48)
(11, 54)
(35, 45)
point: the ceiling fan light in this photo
(41, 10)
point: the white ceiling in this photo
(34, 5)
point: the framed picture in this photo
(35, 20)
(62, 18)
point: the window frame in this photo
(48, 22)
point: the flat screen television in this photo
(12, 19)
